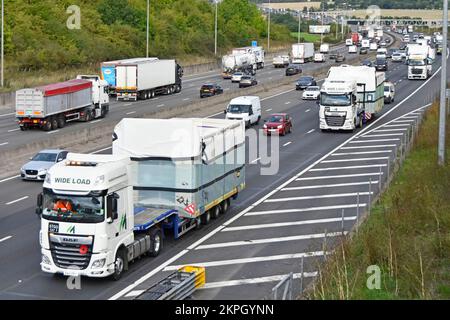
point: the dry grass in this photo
(407, 235)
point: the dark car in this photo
(293, 69)
(210, 89)
(381, 64)
(333, 56)
(305, 82)
(367, 63)
(363, 51)
(340, 58)
(247, 81)
(278, 123)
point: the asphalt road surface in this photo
(275, 221)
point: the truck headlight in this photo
(47, 178)
(265, 126)
(98, 263)
(45, 259)
(327, 109)
(280, 126)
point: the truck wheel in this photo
(156, 242)
(360, 124)
(88, 116)
(47, 126)
(119, 265)
(198, 223)
(54, 123)
(215, 212)
(225, 206)
(61, 122)
(206, 218)
(257, 121)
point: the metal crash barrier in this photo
(177, 286)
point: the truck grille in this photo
(416, 71)
(68, 256)
(335, 121)
(31, 172)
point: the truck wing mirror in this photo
(111, 210)
(39, 203)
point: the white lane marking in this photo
(310, 131)
(287, 102)
(323, 196)
(360, 153)
(277, 278)
(400, 80)
(130, 112)
(17, 200)
(382, 135)
(339, 176)
(265, 212)
(287, 143)
(134, 293)
(5, 238)
(160, 105)
(307, 110)
(257, 159)
(256, 203)
(10, 178)
(268, 240)
(127, 104)
(276, 95)
(356, 159)
(4, 144)
(52, 132)
(375, 140)
(226, 89)
(329, 186)
(287, 224)
(270, 109)
(186, 99)
(249, 260)
(7, 114)
(95, 121)
(213, 115)
(12, 130)
(148, 275)
(403, 121)
(351, 167)
(363, 147)
(154, 99)
(410, 117)
(98, 151)
(390, 130)
(396, 125)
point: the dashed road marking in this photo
(17, 200)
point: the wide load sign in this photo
(319, 29)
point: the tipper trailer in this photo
(100, 212)
(240, 61)
(302, 52)
(146, 79)
(257, 51)
(51, 106)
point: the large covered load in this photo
(187, 165)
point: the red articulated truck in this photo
(355, 38)
(49, 107)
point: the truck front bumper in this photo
(348, 125)
(105, 271)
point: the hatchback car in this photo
(340, 58)
(333, 56)
(304, 82)
(247, 81)
(363, 51)
(38, 166)
(278, 123)
(311, 93)
(293, 69)
(210, 89)
(367, 63)
(397, 57)
(236, 77)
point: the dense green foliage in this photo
(36, 34)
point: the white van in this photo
(352, 49)
(373, 46)
(247, 108)
(382, 51)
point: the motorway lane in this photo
(11, 137)
(24, 238)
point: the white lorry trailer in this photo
(349, 96)
(100, 212)
(108, 71)
(146, 79)
(258, 52)
(51, 106)
(280, 61)
(324, 48)
(238, 62)
(302, 52)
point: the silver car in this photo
(38, 166)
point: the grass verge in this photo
(407, 234)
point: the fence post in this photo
(324, 245)
(342, 221)
(301, 277)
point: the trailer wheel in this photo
(156, 240)
(88, 116)
(119, 265)
(206, 217)
(215, 212)
(61, 122)
(22, 128)
(47, 126)
(225, 206)
(198, 223)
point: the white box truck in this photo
(258, 52)
(324, 48)
(51, 106)
(146, 79)
(100, 212)
(365, 43)
(280, 61)
(302, 52)
(349, 96)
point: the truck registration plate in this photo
(70, 273)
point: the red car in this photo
(278, 123)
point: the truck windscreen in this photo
(335, 99)
(416, 62)
(72, 208)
